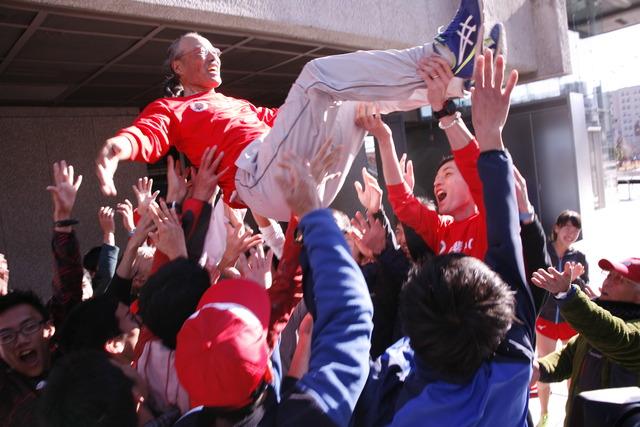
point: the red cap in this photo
(629, 268)
(222, 353)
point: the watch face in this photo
(450, 107)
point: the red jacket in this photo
(441, 232)
(193, 123)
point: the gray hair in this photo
(172, 86)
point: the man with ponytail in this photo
(320, 107)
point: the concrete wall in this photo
(31, 139)
(537, 28)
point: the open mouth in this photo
(29, 357)
(441, 195)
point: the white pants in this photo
(322, 104)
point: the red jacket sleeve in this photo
(466, 160)
(151, 133)
(286, 290)
(193, 205)
(425, 221)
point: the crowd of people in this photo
(426, 315)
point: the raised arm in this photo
(114, 149)
(148, 139)
(490, 107)
(534, 240)
(67, 275)
(616, 338)
(108, 258)
(405, 205)
(337, 297)
(437, 75)
(4, 276)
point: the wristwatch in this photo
(448, 109)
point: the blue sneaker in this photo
(461, 41)
(497, 42)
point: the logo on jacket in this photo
(199, 106)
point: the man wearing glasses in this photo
(606, 353)
(25, 356)
(321, 106)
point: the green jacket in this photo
(605, 354)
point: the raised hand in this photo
(110, 154)
(406, 166)
(107, 224)
(169, 236)
(142, 231)
(369, 234)
(64, 190)
(125, 210)
(257, 266)
(554, 281)
(490, 102)
(522, 196)
(578, 270)
(368, 118)
(370, 195)
(137, 239)
(324, 161)
(146, 198)
(297, 184)
(177, 180)
(205, 181)
(4, 276)
(239, 240)
(437, 74)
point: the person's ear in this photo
(114, 346)
(176, 66)
(49, 330)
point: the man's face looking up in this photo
(24, 340)
(452, 192)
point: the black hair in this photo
(170, 296)
(85, 389)
(456, 311)
(90, 325)
(566, 216)
(90, 259)
(418, 249)
(445, 159)
(18, 297)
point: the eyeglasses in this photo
(8, 336)
(201, 51)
